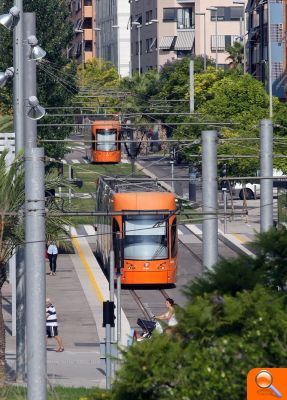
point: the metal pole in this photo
(172, 175)
(139, 48)
(18, 98)
(204, 41)
(70, 178)
(12, 278)
(225, 209)
(240, 26)
(270, 62)
(112, 285)
(191, 86)
(244, 41)
(108, 357)
(216, 38)
(119, 325)
(157, 50)
(30, 126)
(266, 169)
(35, 273)
(209, 198)
(119, 52)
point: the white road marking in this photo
(76, 162)
(194, 229)
(90, 230)
(179, 232)
(63, 161)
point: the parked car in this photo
(252, 190)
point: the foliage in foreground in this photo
(210, 354)
(244, 273)
(231, 324)
(56, 393)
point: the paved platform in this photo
(79, 364)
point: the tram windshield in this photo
(145, 238)
(106, 139)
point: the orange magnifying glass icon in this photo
(264, 380)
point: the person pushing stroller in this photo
(149, 326)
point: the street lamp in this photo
(215, 9)
(118, 45)
(83, 57)
(35, 111)
(138, 25)
(99, 32)
(242, 3)
(4, 76)
(9, 20)
(36, 52)
(156, 21)
(204, 36)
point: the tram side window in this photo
(174, 244)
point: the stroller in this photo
(148, 327)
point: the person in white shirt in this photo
(52, 256)
(52, 325)
(169, 316)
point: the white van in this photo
(252, 190)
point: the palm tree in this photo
(236, 55)
(12, 195)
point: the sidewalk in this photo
(79, 364)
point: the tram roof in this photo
(121, 184)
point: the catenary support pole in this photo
(191, 86)
(30, 126)
(112, 285)
(209, 198)
(266, 169)
(18, 295)
(35, 273)
(119, 323)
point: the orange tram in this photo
(149, 243)
(106, 147)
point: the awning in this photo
(166, 42)
(184, 41)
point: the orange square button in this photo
(267, 383)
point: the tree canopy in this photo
(56, 76)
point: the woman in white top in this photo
(169, 316)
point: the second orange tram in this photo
(106, 146)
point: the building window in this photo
(277, 33)
(184, 18)
(148, 16)
(227, 14)
(149, 45)
(88, 2)
(223, 42)
(88, 45)
(88, 23)
(169, 14)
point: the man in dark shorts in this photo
(52, 325)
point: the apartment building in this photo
(168, 30)
(83, 47)
(113, 35)
(259, 42)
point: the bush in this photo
(211, 351)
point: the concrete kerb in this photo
(96, 284)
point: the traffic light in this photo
(224, 183)
(109, 313)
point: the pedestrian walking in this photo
(52, 256)
(52, 325)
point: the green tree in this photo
(236, 56)
(12, 193)
(211, 351)
(56, 76)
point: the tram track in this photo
(142, 305)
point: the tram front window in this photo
(106, 139)
(145, 238)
